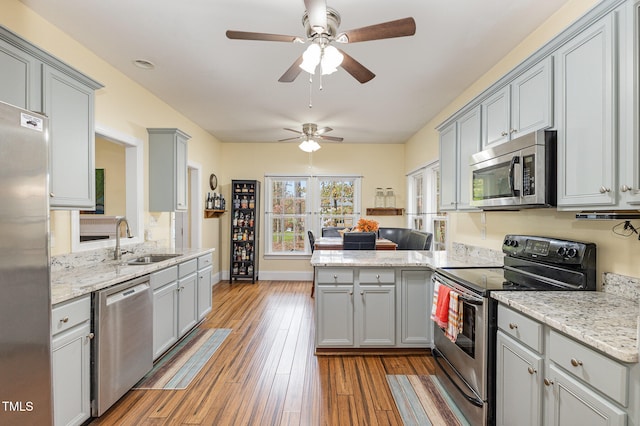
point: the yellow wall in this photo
(615, 253)
(380, 165)
(111, 158)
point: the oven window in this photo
(466, 339)
(492, 182)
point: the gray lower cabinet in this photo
(416, 294)
(372, 307)
(71, 351)
(165, 309)
(34, 80)
(187, 296)
(205, 272)
(176, 303)
(545, 377)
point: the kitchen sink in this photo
(151, 258)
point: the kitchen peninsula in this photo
(380, 299)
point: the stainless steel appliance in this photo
(517, 174)
(466, 367)
(123, 343)
(25, 305)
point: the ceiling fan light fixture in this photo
(331, 60)
(309, 145)
(311, 58)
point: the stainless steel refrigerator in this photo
(25, 294)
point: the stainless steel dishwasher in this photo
(123, 344)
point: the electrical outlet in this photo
(483, 233)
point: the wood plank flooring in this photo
(266, 373)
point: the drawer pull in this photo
(65, 319)
(513, 326)
(576, 362)
(531, 370)
(548, 382)
(335, 277)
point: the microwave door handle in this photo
(514, 160)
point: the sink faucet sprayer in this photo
(117, 254)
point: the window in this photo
(297, 204)
(423, 187)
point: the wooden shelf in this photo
(208, 214)
(384, 211)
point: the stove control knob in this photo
(572, 252)
(561, 251)
(507, 242)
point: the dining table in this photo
(335, 243)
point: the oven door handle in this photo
(470, 301)
(475, 399)
(514, 160)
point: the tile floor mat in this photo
(180, 365)
(422, 401)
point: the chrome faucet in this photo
(117, 254)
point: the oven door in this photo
(461, 366)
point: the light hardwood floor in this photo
(266, 373)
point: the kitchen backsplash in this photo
(464, 252)
(86, 258)
(621, 285)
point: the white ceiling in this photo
(231, 89)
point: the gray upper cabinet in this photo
(69, 103)
(448, 170)
(523, 106)
(586, 81)
(167, 170)
(34, 80)
(458, 142)
(20, 82)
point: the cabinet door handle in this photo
(625, 188)
(548, 382)
(350, 292)
(64, 320)
(504, 134)
(90, 336)
(604, 190)
(576, 362)
(532, 370)
(361, 293)
(52, 195)
(513, 131)
(378, 277)
(513, 326)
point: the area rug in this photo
(177, 368)
(422, 401)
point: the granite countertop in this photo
(607, 322)
(395, 258)
(67, 284)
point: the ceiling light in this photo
(328, 57)
(144, 64)
(309, 145)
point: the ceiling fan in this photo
(309, 134)
(321, 24)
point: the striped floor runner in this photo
(422, 401)
(178, 367)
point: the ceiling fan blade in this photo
(295, 131)
(293, 72)
(323, 130)
(356, 69)
(330, 138)
(317, 12)
(291, 139)
(245, 35)
(398, 28)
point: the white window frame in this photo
(312, 214)
(430, 218)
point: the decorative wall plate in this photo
(213, 181)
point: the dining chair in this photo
(332, 231)
(359, 241)
(312, 242)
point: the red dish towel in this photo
(440, 311)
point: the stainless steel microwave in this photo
(517, 174)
